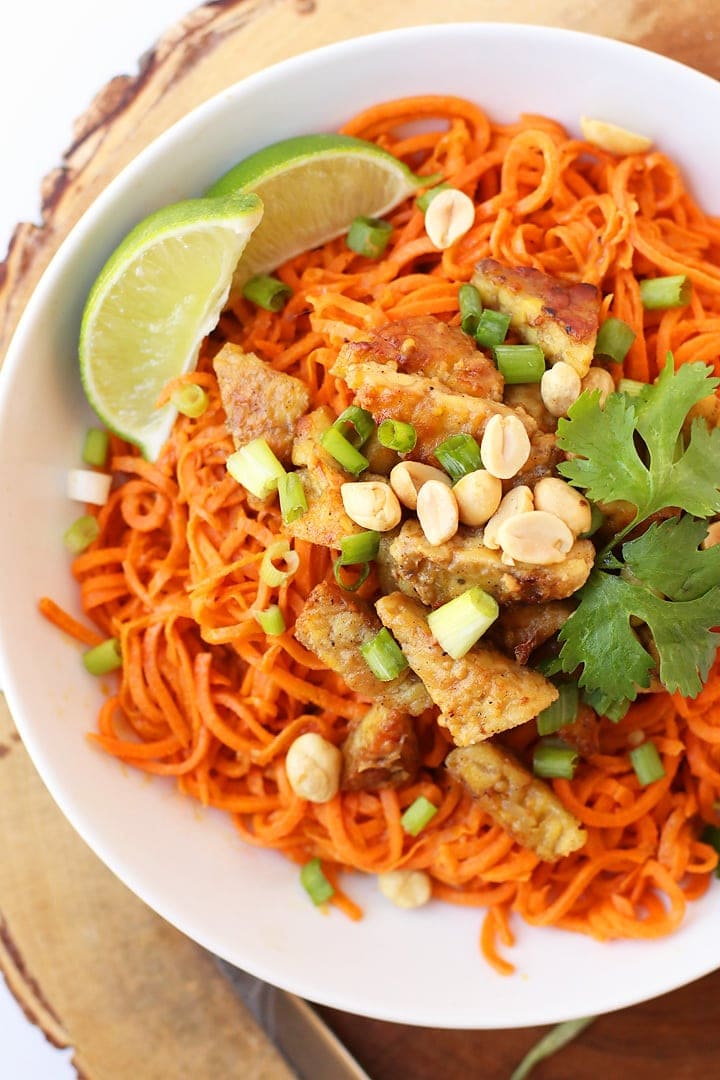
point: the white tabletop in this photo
(54, 57)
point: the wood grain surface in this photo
(89, 962)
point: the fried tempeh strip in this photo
(562, 317)
(259, 401)
(380, 751)
(333, 625)
(521, 628)
(524, 806)
(438, 573)
(480, 695)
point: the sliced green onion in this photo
(418, 814)
(352, 585)
(359, 547)
(369, 236)
(104, 658)
(267, 292)
(549, 1044)
(597, 518)
(356, 425)
(520, 363)
(383, 656)
(270, 573)
(314, 882)
(423, 201)
(562, 712)
(458, 455)
(397, 435)
(190, 400)
(95, 447)
(81, 534)
(256, 468)
(293, 503)
(711, 835)
(633, 388)
(647, 763)
(271, 620)
(470, 308)
(492, 328)
(612, 708)
(554, 762)
(457, 625)
(665, 292)
(343, 451)
(614, 340)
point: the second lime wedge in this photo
(312, 188)
(159, 294)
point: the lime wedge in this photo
(312, 188)
(159, 294)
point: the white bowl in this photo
(244, 904)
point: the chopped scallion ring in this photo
(314, 882)
(613, 709)
(383, 656)
(418, 814)
(470, 308)
(190, 400)
(520, 363)
(293, 503)
(397, 435)
(614, 340)
(267, 292)
(356, 425)
(492, 328)
(95, 447)
(104, 658)
(359, 547)
(554, 762)
(256, 468)
(562, 712)
(657, 294)
(647, 763)
(81, 534)
(271, 620)
(270, 574)
(369, 236)
(423, 201)
(88, 486)
(340, 577)
(633, 388)
(458, 455)
(459, 624)
(343, 451)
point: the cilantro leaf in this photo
(685, 644)
(667, 557)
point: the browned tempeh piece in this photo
(562, 317)
(259, 401)
(524, 806)
(380, 751)
(521, 628)
(438, 573)
(333, 625)
(480, 695)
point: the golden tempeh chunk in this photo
(562, 317)
(325, 521)
(333, 625)
(480, 695)
(309, 430)
(380, 751)
(259, 402)
(521, 628)
(438, 573)
(524, 806)
(424, 345)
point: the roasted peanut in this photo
(713, 535)
(598, 378)
(405, 888)
(505, 446)
(437, 512)
(560, 387)
(448, 217)
(610, 137)
(478, 496)
(559, 498)
(371, 504)
(408, 477)
(313, 766)
(517, 501)
(537, 538)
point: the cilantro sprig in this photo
(633, 450)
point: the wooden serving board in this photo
(94, 967)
